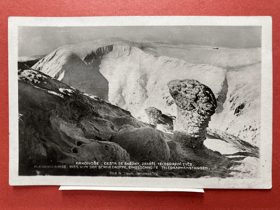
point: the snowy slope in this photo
(134, 77)
(241, 116)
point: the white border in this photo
(131, 189)
(263, 182)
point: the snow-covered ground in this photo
(133, 76)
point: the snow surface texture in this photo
(134, 76)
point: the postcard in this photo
(141, 102)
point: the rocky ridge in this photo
(196, 104)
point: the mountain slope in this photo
(61, 126)
(134, 76)
(136, 79)
(241, 116)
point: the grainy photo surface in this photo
(167, 102)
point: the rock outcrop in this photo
(60, 126)
(159, 120)
(196, 104)
(153, 115)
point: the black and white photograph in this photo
(148, 101)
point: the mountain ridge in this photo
(131, 78)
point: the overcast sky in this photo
(43, 40)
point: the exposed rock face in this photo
(159, 120)
(60, 125)
(97, 54)
(153, 114)
(165, 123)
(196, 104)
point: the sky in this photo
(43, 40)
